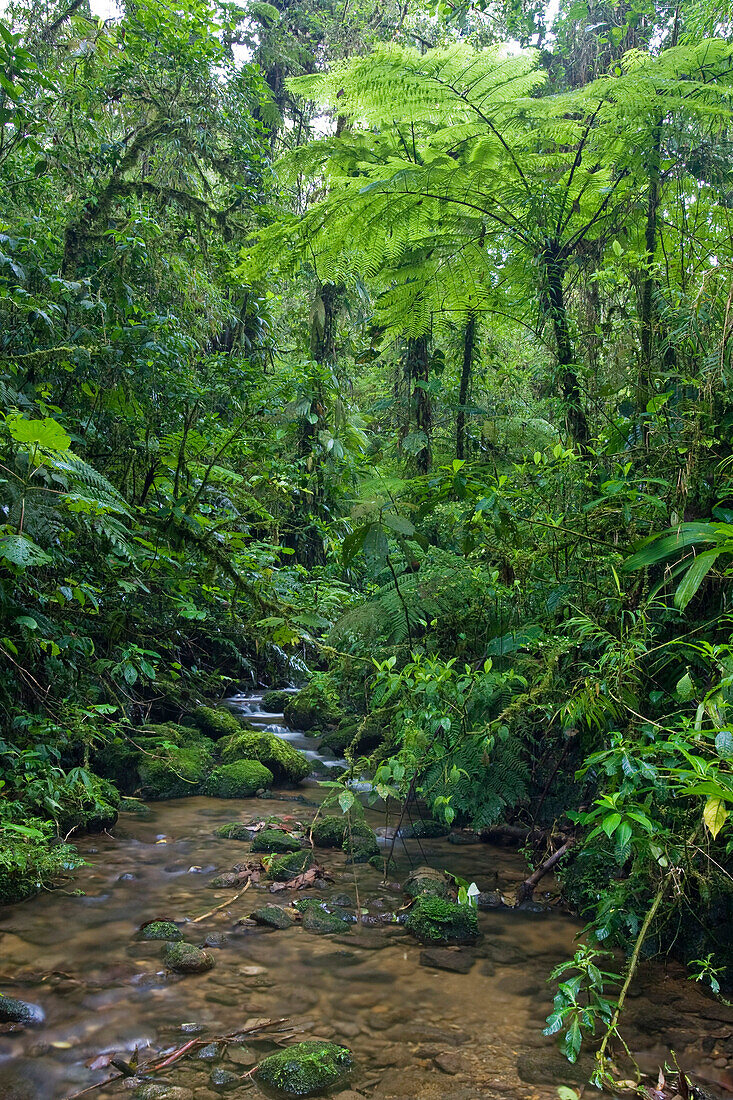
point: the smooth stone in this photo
(21, 1012)
(459, 962)
(490, 899)
(450, 1063)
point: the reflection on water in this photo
(416, 1032)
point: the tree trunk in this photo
(469, 346)
(572, 397)
(417, 368)
(646, 303)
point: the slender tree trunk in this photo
(647, 318)
(417, 364)
(469, 346)
(572, 397)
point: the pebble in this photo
(450, 1063)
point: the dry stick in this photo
(229, 901)
(526, 889)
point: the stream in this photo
(417, 1032)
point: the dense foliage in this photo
(387, 349)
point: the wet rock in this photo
(191, 1028)
(241, 1056)
(209, 1053)
(224, 1079)
(273, 702)
(450, 1063)
(275, 840)
(367, 940)
(547, 1066)
(328, 831)
(427, 882)
(284, 868)
(225, 881)
(235, 830)
(435, 920)
(424, 830)
(344, 901)
(463, 837)
(160, 930)
(360, 843)
(287, 764)
(241, 779)
(14, 1011)
(187, 959)
(272, 916)
(160, 1090)
(25, 1080)
(215, 939)
(437, 958)
(322, 922)
(506, 954)
(305, 1068)
(490, 899)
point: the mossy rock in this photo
(134, 806)
(314, 708)
(176, 773)
(325, 922)
(215, 722)
(361, 844)
(284, 868)
(435, 920)
(235, 830)
(93, 811)
(187, 959)
(361, 734)
(425, 830)
(427, 882)
(160, 930)
(305, 1069)
(286, 763)
(274, 702)
(118, 760)
(275, 840)
(241, 779)
(272, 916)
(328, 831)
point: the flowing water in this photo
(416, 1032)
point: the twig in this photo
(229, 901)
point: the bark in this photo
(417, 368)
(572, 397)
(469, 347)
(527, 888)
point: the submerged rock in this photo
(443, 958)
(305, 1068)
(275, 840)
(427, 882)
(224, 1079)
(187, 959)
(13, 1011)
(272, 916)
(490, 899)
(435, 920)
(160, 930)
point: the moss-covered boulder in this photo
(425, 830)
(235, 830)
(324, 921)
(184, 958)
(362, 734)
(287, 867)
(272, 916)
(427, 882)
(216, 722)
(315, 708)
(275, 840)
(174, 772)
(328, 831)
(117, 760)
(360, 843)
(305, 1069)
(160, 930)
(287, 764)
(274, 702)
(241, 779)
(435, 920)
(134, 806)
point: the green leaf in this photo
(46, 433)
(694, 577)
(724, 743)
(22, 551)
(400, 524)
(714, 815)
(346, 801)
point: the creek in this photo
(416, 1032)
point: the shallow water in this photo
(416, 1032)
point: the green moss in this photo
(426, 830)
(361, 735)
(272, 916)
(316, 707)
(360, 843)
(324, 922)
(187, 959)
(305, 1068)
(134, 806)
(117, 760)
(30, 862)
(241, 779)
(284, 868)
(435, 920)
(175, 773)
(274, 840)
(215, 722)
(235, 830)
(286, 763)
(328, 831)
(160, 930)
(274, 702)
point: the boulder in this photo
(275, 840)
(287, 764)
(13, 1011)
(427, 882)
(322, 921)
(175, 772)
(216, 722)
(274, 702)
(187, 959)
(272, 916)
(315, 708)
(436, 920)
(328, 831)
(305, 1068)
(160, 930)
(424, 830)
(235, 830)
(239, 780)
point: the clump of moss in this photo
(329, 831)
(175, 773)
(215, 722)
(284, 868)
(160, 930)
(274, 702)
(241, 779)
(315, 708)
(435, 920)
(187, 959)
(275, 840)
(286, 763)
(361, 734)
(272, 916)
(235, 830)
(322, 920)
(31, 860)
(305, 1068)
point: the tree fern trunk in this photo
(647, 289)
(418, 370)
(469, 344)
(554, 295)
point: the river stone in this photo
(160, 930)
(305, 1068)
(24, 1079)
(323, 923)
(209, 1053)
(427, 882)
(435, 920)
(464, 838)
(187, 959)
(20, 1012)
(443, 958)
(424, 830)
(547, 1066)
(275, 840)
(235, 830)
(490, 899)
(160, 1090)
(223, 1079)
(272, 916)
(287, 867)
(368, 941)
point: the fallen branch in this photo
(527, 888)
(229, 901)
